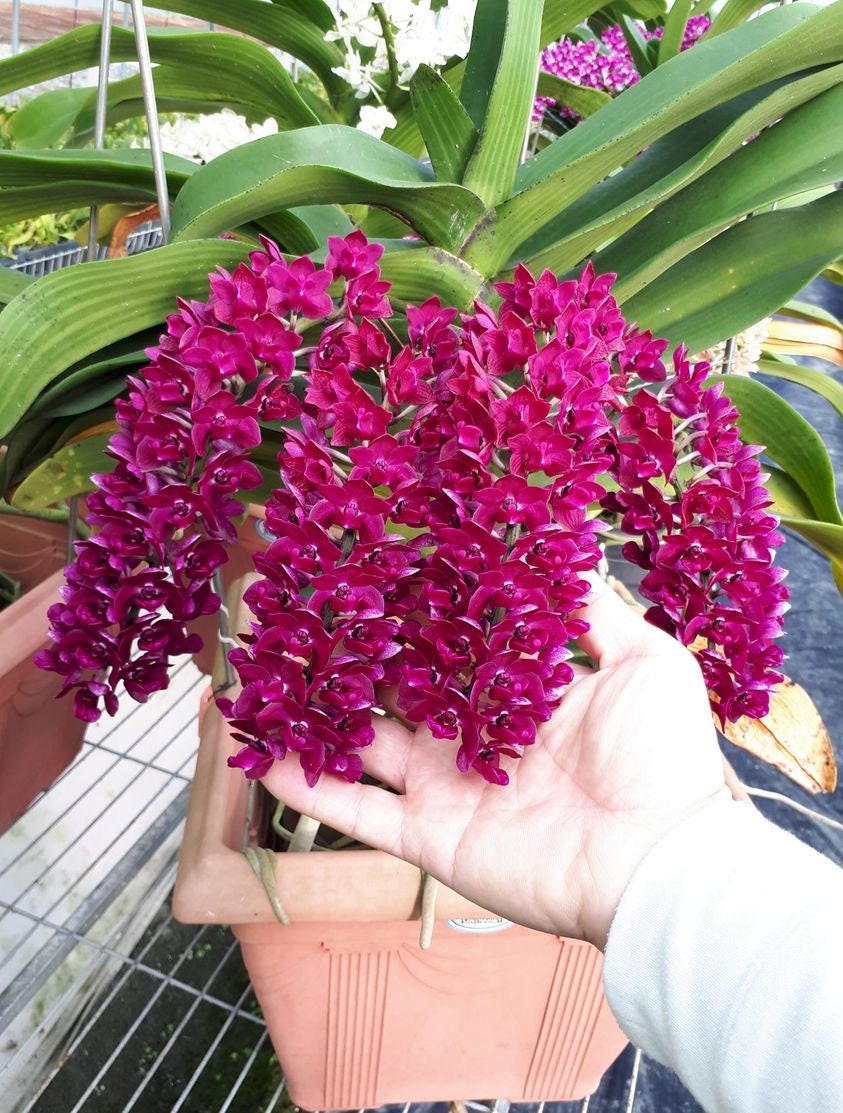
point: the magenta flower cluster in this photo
(446, 483)
(605, 64)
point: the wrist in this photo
(625, 856)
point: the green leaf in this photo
(30, 440)
(204, 71)
(561, 16)
(582, 100)
(788, 497)
(805, 311)
(637, 45)
(479, 67)
(788, 439)
(793, 508)
(447, 130)
(742, 275)
(497, 153)
(305, 229)
(619, 202)
(821, 383)
(11, 284)
(825, 536)
(46, 120)
(784, 160)
(68, 315)
(282, 24)
(88, 387)
(21, 204)
(731, 15)
(776, 44)
(65, 473)
(418, 273)
(674, 30)
(322, 165)
(121, 166)
(51, 181)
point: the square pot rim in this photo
(216, 884)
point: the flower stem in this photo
(304, 835)
(430, 889)
(389, 43)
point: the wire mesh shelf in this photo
(67, 253)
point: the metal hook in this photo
(100, 117)
(151, 108)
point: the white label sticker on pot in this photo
(480, 926)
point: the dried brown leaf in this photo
(792, 738)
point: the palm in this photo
(629, 751)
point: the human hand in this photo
(629, 754)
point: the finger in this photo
(735, 785)
(388, 697)
(386, 759)
(615, 631)
(366, 813)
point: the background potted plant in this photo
(38, 737)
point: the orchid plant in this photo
(604, 63)
(707, 234)
(446, 481)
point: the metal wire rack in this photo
(68, 253)
(105, 1002)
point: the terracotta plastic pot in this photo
(39, 735)
(31, 549)
(358, 1014)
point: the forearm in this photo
(723, 962)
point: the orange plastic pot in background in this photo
(39, 735)
(359, 1015)
(31, 549)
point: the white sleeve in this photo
(725, 963)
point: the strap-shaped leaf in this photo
(805, 311)
(64, 473)
(305, 229)
(447, 130)
(418, 273)
(70, 314)
(480, 66)
(46, 120)
(788, 439)
(742, 275)
(637, 45)
(88, 387)
(11, 284)
(322, 165)
(30, 441)
(825, 536)
(282, 24)
(674, 30)
(622, 200)
(580, 98)
(817, 381)
(561, 16)
(731, 15)
(777, 43)
(215, 67)
(32, 183)
(783, 161)
(497, 153)
(249, 72)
